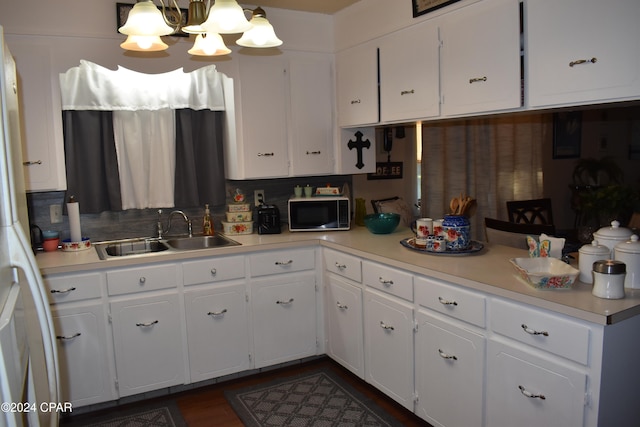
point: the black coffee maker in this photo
(268, 219)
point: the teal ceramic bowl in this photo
(382, 223)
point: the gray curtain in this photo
(91, 160)
(199, 158)
(92, 164)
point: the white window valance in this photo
(93, 87)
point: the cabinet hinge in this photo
(416, 397)
(415, 326)
(246, 296)
(110, 318)
(587, 399)
(250, 358)
(117, 384)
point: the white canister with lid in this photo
(629, 253)
(588, 254)
(608, 279)
(611, 236)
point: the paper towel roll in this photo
(73, 210)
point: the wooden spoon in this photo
(453, 205)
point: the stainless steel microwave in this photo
(319, 213)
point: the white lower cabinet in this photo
(527, 390)
(284, 318)
(81, 337)
(449, 372)
(217, 331)
(388, 341)
(344, 324)
(148, 342)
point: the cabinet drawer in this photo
(275, 262)
(74, 287)
(544, 330)
(343, 264)
(141, 279)
(451, 300)
(213, 269)
(387, 279)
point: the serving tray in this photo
(410, 243)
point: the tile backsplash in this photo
(111, 225)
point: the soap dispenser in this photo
(207, 224)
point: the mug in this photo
(437, 227)
(423, 227)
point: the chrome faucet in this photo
(160, 228)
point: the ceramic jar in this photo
(611, 236)
(588, 254)
(629, 253)
(457, 232)
(608, 279)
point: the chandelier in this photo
(146, 23)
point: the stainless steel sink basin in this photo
(201, 242)
(129, 247)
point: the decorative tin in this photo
(457, 232)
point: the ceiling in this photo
(317, 6)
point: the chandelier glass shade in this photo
(146, 23)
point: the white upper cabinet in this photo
(357, 85)
(409, 73)
(582, 51)
(481, 58)
(311, 136)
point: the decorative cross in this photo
(359, 145)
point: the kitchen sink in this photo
(201, 242)
(150, 245)
(129, 247)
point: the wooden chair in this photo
(515, 235)
(535, 211)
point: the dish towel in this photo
(145, 146)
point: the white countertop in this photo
(488, 270)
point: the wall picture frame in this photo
(420, 7)
(122, 12)
(567, 134)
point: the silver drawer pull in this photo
(477, 79)
(533, 331)
(341, 306)
(144, 325)
(340, 266)
(63, 291)
(214, 271)
(217, 313)
(288, 262)
(355, 101)
(265, 154)
(447, 356)
(407, 92)
(68, 337)
(314, 152)
(531, 395)
(142, 280)
(446, 302)
(385, 282)
(32, 162)
(285, 302)
(583, 61)
(386, 327)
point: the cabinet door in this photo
(581, 51)
(344, 325)
(481, 58)
(388, 329)
(43, 152)
(410, 74)
(147, 334)
(217, 331)
(449, 362)
(263, 118)
(311, 137)
(284, 318)
(85, 367)
(527, 391)
(357, 83)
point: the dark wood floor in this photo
(207, 406)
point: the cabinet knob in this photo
(214, 271)
(142, 280)
(583, 61)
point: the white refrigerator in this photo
(29, 378)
